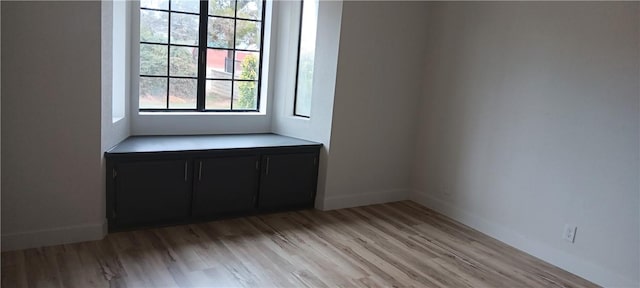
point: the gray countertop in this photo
(150, 144)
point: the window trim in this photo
(202, 60)
(295, 112)
(295, 93)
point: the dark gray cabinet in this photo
(226, 185)
(288, 180)
(154, 191)
(163, 180)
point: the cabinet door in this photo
(225, 185)
(150, 192)
(288, 180)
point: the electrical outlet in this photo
(569, 233)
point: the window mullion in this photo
(233, 58)
(202, 52)
(168, 53)
(259, 80)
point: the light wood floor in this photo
(399, 244)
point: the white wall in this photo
(51, 189)
(374, 114)
(113, 130)
(115, 56)
(318, 127)
(530, 120)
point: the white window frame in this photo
(173, 123)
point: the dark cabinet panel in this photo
(152, 191)
(225, 185)
(288, 180)
(162, 180)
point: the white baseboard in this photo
(581, 267)
(362, 199)
(55, 236)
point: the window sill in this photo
(201, 113)
(301, 118)
(117, 119)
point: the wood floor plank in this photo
(388, 270)
(400, 244)
(415, 253)
(396, 253)
(443, 235)
(13, 269)
(315, 254)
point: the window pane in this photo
(250, 9)
(153, 93)
(220, 33)
(245, 95)
(247, 65)
(154, 26)
(153, 59)
(192, 6)
(219, 63)
(184, 61)
(170, 64)
(221, 7)
(218, 95)
(307, 57)
(155, 4)
(248, 35)
(184, 29)
(182, 93)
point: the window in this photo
(200, 56)
(306, 56)
(118, 60)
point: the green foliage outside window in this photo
(170, 60)
(248, 89)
